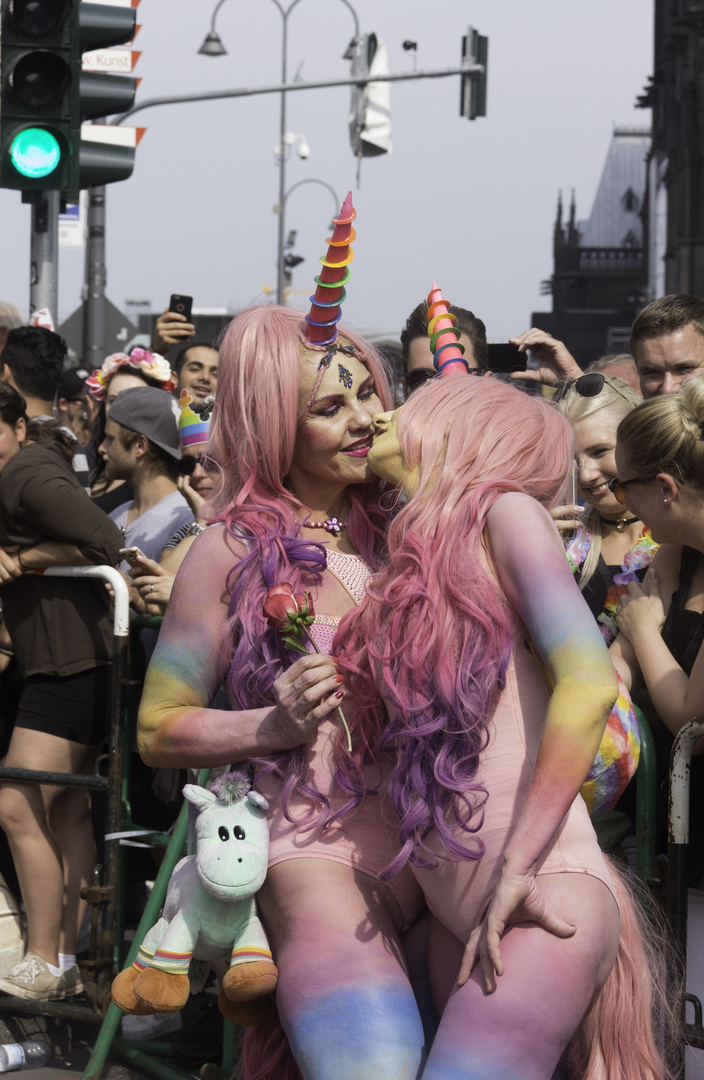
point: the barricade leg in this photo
(155, 902)
(678, 841)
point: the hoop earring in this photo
(390, 500)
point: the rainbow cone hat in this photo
(192, 429)
(448, 354)
(330, 293)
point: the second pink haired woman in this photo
(535, 951)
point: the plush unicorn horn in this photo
(330, 291)
(448, 354)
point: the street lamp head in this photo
(351, 50)
(212, 46)
(303, 149)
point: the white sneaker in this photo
(31, 979)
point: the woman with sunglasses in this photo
(660, 461)
(611, 546)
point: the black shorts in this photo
(74, 707)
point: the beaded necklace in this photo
(638, 557)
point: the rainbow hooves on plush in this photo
(245, 982)
(244, 996)
(123, 994)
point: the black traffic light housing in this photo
(35, 94)
(475, 51)
(44, 94)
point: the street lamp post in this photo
(213, 46)
(286, 263)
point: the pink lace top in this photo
(352, 572)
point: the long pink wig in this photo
(252, 437)
(435, 625)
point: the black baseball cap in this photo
(151, 412)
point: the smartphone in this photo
(182, 305)
(132, 555)
(506, 357)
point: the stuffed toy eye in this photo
(223, 833)
(238, 832)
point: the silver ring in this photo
(151, 588)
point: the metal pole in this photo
(282, 167)
(44, 254)
(323, 84)
(94, 302)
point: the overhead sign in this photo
(114, 134)
(117, 61)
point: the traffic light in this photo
(97, 26)
(475, 51)
(370, 110)
(35, 94)
(44, 94)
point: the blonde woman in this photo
(612, 546)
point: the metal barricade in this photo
(677, 852)
(103, 893)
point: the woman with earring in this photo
(295, 503)
(660, 463)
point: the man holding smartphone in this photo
(196, 365)
(174, 326)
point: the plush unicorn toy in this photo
(210, 911)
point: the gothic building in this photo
(676, 173)
(599, 274)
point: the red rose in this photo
(283, 607)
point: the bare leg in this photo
(522, 1030)
(24, 814)
(343, 996)
(72, 826)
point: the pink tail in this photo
(266, 1054)
(631, 1020)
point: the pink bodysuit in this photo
(458, 892)
(366, 839)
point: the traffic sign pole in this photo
(94, 304)
(44, 253)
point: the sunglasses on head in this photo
(591, 385)
(618, 487)
(186, 466)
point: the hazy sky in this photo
(471, 204)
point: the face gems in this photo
(345, 377)
(325, 362)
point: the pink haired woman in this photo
(296, 503)
(450, 656)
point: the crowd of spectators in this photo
(111, 468)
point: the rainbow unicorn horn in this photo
(448, 354)
(330, 293)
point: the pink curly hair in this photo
(252, 437)
(434, 625)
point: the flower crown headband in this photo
(151, 364)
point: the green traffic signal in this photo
(35, 153)
(45, 94)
